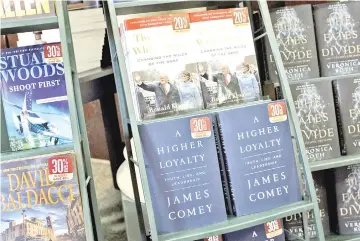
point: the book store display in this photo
(217, 160)
(46, 187)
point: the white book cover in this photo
(226, 56)
(159, 57)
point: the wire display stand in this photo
(80, 145)
(130, 126)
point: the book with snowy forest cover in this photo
(259, 233)
(294, 222)
(260, 158)
(347, 102)
(34, 98)
(294, 32)
(183, 173)
(315, 108)
(347, 188)
(41, 199)
(159, 53)
(225, 55)
(337, 32)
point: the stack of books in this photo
(88, 33)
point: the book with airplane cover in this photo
(26, 9)
(270, 231)
(294, 32)
(259, 156)
(34, 97)
(159, 56)
(226, 58)
(337, 32)
(183, 173)
(40, 199)
(315, 109)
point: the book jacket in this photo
(34, 98)
(40, 199)
(347, 99)
(294, 223)
(260, 157)
(225, 55)
(337, 34)
(25, 9)
(270, 231)
(295, 35)
(162, 70)
(183, 173)
(315, 108)
(347, 196)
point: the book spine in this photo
(223, 168)
(226, 173)
(338, 117)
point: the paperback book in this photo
(315, 108)
(259, 156)
(159, 55)
(25, 9)
(34, 97)
(337, 33)
(41, 199)
(294, 32)
(347, 100)
(347, 196)
(294, 223)
(225, 55)
(183, 173)
(270, 231)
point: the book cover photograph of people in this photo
(197, 86)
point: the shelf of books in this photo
(188, 77)
(47, 191)
(216, 158)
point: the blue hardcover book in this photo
(34, 98)
(260, 157)
(271, 231)
(183, 173)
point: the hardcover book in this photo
(260, 157)
(337, 33)
(347, 195)
(347, 100)
(40, 199)
(183, 173)
(294, 223)
(34, 98)
(25, 9)
(270, 231)
(226, 58)
(159, 53)
(314, 104)
(294, 32)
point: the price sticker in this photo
(200, 127)
(214, 238)
(60, 168)
(277, 111)
(180, 22)
(273, 229)
(53, 53)
(240, 16)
